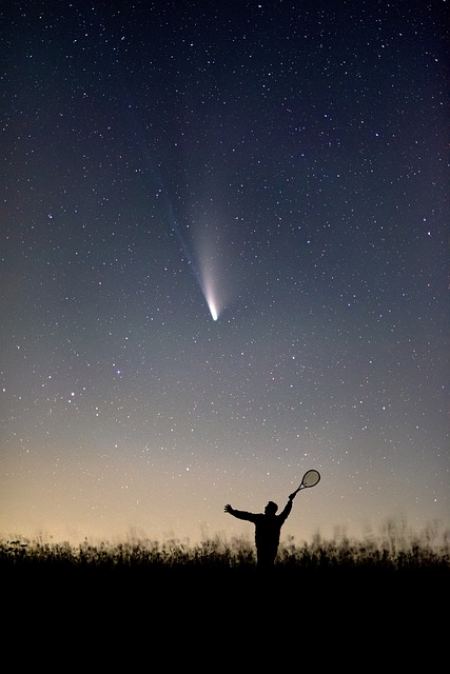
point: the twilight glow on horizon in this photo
(223, 262)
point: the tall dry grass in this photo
(394, 547)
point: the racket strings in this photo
(311, 478)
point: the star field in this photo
(288, 160)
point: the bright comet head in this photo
(210, 276)
(211, 298)
(213, 311)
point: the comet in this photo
(201, 250)
(209, 291)
(204, 262)
(213, 311)
(212, 307)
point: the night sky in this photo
(278, 166)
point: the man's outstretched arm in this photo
(240, 514)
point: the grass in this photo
(149, 587)
(394, 549)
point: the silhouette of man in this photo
(267, 529)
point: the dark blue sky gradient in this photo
(294, 157)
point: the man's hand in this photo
(228, 509)
(292, 496)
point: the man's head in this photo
(271, 508)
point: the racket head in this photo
(310, 479)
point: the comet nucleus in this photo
(208, 288)
(212, 309)
(210, 268)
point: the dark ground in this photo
(210, 615)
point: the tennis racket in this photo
(309, 479)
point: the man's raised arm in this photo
(240, 514)
(288, 507)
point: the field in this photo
(394, 554)
(212, 592)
